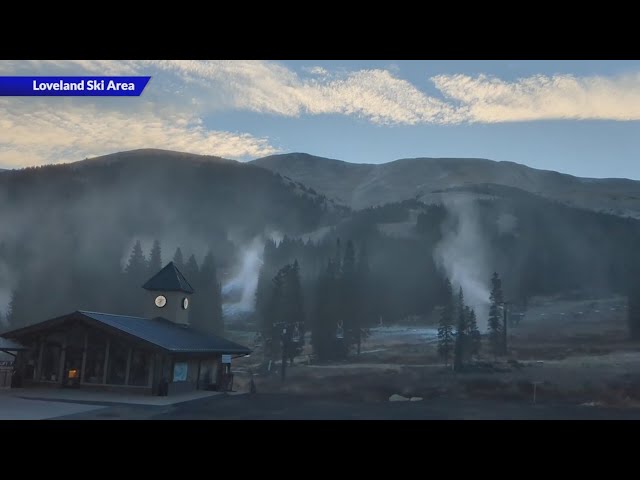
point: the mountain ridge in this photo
(365, 185)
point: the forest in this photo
(72, 237)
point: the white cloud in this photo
(317, 70)
(181, 93)
(49, 132)
(35, 131)
(381, 97)
(268, 87)
(487, 99)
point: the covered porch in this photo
(76, 351)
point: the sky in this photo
(576, 117)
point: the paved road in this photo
(289, 407)
(15, 408)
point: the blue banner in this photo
(72, 86)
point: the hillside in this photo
(59, 222)
(364, 185)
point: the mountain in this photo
(67, 231)
(101, 204)
(363, 185)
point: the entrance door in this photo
(72, 367)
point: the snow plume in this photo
(239, 291)
(462, 253)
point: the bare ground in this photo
(573, 351)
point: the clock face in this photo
(161, 301)
(185, 303)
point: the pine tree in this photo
(207, 305)
(324, 325)
(294, 316)
(495, 309)
(135, 274)
(137, 261)
(461, 347)
(18, 311)
(272, 320)
(445, 327)
(475, 339)
(155, 259)
(363, 295)
(349, 301)
(191, 270)
(178, 259)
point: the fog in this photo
(463, 254)
(239, 291)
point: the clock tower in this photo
(169, 295)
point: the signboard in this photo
(180, 372)
(6, 363)
(226, 358)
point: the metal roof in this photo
(168, 335)
(169, 279)
(158, 331)
(10, 345)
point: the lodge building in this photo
(158, 354)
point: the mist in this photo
(239, 291)
(463, 254)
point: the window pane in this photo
(140, 362)
(96, 348)
(117, 368)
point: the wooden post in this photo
(152, 358)
(126, 375)
(84, 356)
(106, 361)
(63, 357)
(38, 372)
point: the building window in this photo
(51, 362)
(139, 374)
(96, 348)
(117, 368)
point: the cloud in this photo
(182, 93)
(35, 131)
(48, 132)
(490, 100)
(271, 88)
(381, 97)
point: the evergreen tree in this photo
(461, 347)
(155, 259)
(445, 327)
(191, 270)
(18, 312)
(495, 312)
(135, 274)
(348, 298)
(207, 305)
(475, 339)
(272, 319)
(284, 319)
(323, 329)
(363, 295)
(294, 316)
(178, 259)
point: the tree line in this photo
(459, 337)
(121, 292)
(337, 313)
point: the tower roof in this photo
(169, 279)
